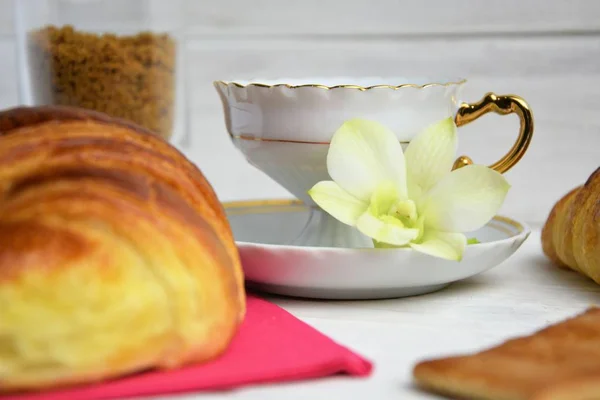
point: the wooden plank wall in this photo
(547, 51)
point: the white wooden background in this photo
(547, 51)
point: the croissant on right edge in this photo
(571, 234)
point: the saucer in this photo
(263, 229)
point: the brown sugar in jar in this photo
(131, 77)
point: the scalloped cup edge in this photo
(248, 84)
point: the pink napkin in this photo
(271, 346)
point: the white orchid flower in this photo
(408, 199)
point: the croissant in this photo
(115, 254)
(571, 234)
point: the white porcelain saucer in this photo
(262, 230)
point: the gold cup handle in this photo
(502, 105)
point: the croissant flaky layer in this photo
(115, 253)
(571, 234)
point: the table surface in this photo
(521, 295)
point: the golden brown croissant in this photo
(115, 253)
(571, 235)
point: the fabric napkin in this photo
(271, 346)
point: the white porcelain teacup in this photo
(284, 127)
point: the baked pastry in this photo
(115, 254)
(571, 234)
(560, 362)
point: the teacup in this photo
(284, 128)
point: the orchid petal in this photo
(465, 200)
(430, 156)
(385, 229)
(449, 246)
(363, 154)
(338, 203)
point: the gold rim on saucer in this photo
(293, 205)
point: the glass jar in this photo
(124, 58)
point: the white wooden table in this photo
(518, 297)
